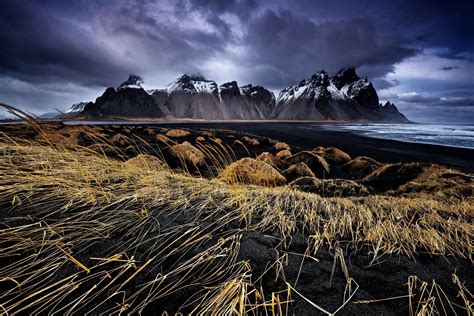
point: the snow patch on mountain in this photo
(204, 86)
(76, 108)
(153, 91)
(132, 86)
(355, 88)
(337, 94)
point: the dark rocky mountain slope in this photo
(343, 97)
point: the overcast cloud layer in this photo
(418, 55)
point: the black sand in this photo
(384, 279)
(295, 134)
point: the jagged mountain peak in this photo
(193, 84)
(251, 89)
(345, 76)
(229, 84)
(312, 87)
(229, 89)
(133, 81)
(362, 91)
(347, 72)
(258, 93)
(320, 78)
(76, 108)
(321, 74)
(389, 107)
(127, 100)
(191, 77)
(317, 79)
(345, 96)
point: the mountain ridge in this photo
(344, 97)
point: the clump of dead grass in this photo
(281, 146)
(177, 133)
(271, 160)
(145, 162)
(188, 153)
(252, 171)
(283, 154)
(162, 138)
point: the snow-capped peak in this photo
(133, 82)
(77, 108)
(193, 84)
(345, 85)
(312, 87)
(354, 88)
(153, 91)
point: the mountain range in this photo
(342, 97)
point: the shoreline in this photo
(296, 134)
(356, 145)
(385, 150)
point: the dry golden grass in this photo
(283, 154)
(250, 141)
(281, 146)
(217, 141)
(318, 165)
(336, 156)
(65, 203)
(252, 171)
(298, 170)
(162, 138)
(95, 170)
(145, 162)
(360, 167)
(188, 153)
(117, 140)
(330, 187)
(271, 160)
(177, 133)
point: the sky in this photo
(418, 54)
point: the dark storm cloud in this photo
(448, 68)
(439, 101)
(287, 47)
(38, 47)
(136, 22)
(159, 40)
(298, 45)
(436, 23)
(418, 98)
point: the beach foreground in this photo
(199, 219)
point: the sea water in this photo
(444, 135)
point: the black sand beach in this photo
(297, 135)
(397, 241)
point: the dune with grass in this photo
(112, 219)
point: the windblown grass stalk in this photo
(172, 232)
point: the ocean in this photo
(444, 135)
